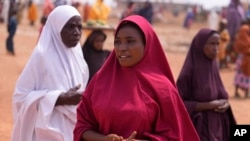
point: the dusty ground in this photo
(173, 37)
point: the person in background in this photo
(44, 103)
(11, 28)
(224, 41)
(133, 96)
(147, 11)
(235, 15)
(93, 51)
(32, 13)
(130, 10)
(201, 88)
(242, 47)
(20, 9)
(48, 6)
(59, 2)
(86, 10)
(213, 19)
(99, 12)
(189, 18)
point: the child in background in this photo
(93, 51)
(224, 41)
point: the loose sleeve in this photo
(184, 85)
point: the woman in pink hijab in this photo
(134, 96)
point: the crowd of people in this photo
(84, 92)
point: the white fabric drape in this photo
(52, 68)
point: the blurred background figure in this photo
(242, 47)
(93, 51)
(32, 13)
(5, 10)
(12, 27)
(20, 9)
(224, 41)
(147, 11)
(213, 19)
(1, 9)
(189, 18)
(130, 9)
(86, 9)
(48, 6)
(235, 15)
(59, 2)
(99, 11)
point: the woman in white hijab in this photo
(51, 84)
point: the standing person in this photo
(44, 103)
(147, 11)
(99, 11)
(189, 18)
(48, 6)
(202, 91)
(32, 13)
(130, 10)
(11, 27)
(93, 51)
(20, 9)
(134, 95)
(242, 47)
(235, 16)
(224, 41)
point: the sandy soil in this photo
(173, 37)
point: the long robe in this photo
(52, 69)
(199, 81)
(141, 98)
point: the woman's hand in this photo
(113, 137)
(71, 97)
(215, 104)
(224, 107)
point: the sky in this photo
(207, 4)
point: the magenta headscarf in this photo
(144, 97)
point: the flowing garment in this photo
(140, 98)
(52, 69)
(199, 81)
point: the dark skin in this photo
(218, 105)
(129, 48)
(71, 34)
(72, 31)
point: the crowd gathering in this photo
(83, 92)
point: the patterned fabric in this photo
(240, 79)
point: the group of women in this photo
(133, 96)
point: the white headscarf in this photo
(52, 68)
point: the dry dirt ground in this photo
(173, 37)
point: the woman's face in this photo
(129, 46)
(72, 31)
(98, 42)
(211, 46)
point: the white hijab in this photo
(52, 68)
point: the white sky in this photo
(207, 4)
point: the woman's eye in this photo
(116, 42)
